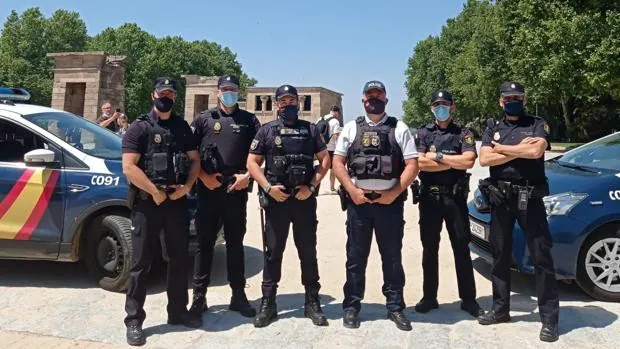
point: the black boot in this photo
(268, 312)
(239, 302)
(199, 303)
(472, 307)
(549, 332)
(187, 319)
(312, 308)
(426, 305)
(135, 336)
(351, 318)
(401, 321)
(492, 318)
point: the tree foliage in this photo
(566, 53)
(27, 38)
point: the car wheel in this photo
(108, 252)
(598, 270)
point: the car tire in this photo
(587, 272)
(108, 252)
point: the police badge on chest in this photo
(370, 139)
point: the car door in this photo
(32, 198)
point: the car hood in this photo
(564, 179)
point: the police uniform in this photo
(443, 197)
(224, 141)
(523, 184)
(289, 161)
(162, 145)
(375, 155)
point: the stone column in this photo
(264, 99)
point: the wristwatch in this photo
(312, 188)
(267, 188)
(438, 157)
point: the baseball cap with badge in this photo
(228, 81)
(165, 84)
(374, 85)
(442, 96)
(511, 88)
(286, 90)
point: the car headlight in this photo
(561, 204)
(480, 202)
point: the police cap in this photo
(511, 88)
(374, 85)
(286, 90)
(441, 96)
(228, 81)
(165, 84)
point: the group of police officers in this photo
(376, 160)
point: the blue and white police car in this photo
(583, 211)
(63, 195)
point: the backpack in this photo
(324, 130)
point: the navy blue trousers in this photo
(388, 224)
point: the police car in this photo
(63, 195)
(583, 211)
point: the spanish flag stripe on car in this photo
(24, 206)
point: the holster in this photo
(343, 195)
(132, 195)
(263, 199)
(415, 192)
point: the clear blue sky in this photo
(335, 44)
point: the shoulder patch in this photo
(547, 128)
(469, 139)
(254, 144)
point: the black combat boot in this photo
(472, 307)
(268, 312)
(492, 318)
(549, 332)
(199, 303)
(426, 305)
(312, 308)
(239, 302)
(351, 318)
(135, 336)
(401, 321)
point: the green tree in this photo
(24, 43)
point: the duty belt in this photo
(437, 189)
(146, 196)
(534, 191)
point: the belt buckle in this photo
(434, 189)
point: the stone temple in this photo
(83, 81)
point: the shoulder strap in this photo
(359, 120)
(391, 122)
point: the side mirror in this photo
(40, 157)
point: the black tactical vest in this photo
(164, 163)
(375, 154)
(226, 142)
(290, 160)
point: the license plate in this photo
(478, 230)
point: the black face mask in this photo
(163, 104)
(374, 106)
(289, 115)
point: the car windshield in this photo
(82, 134)
(600, 154)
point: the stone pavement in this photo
(43, 300)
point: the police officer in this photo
(447, 151)
(382, 163)
(514, 148)
(224, 134)
(287, 193)
(161, 162)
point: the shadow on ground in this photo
(50, 274)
